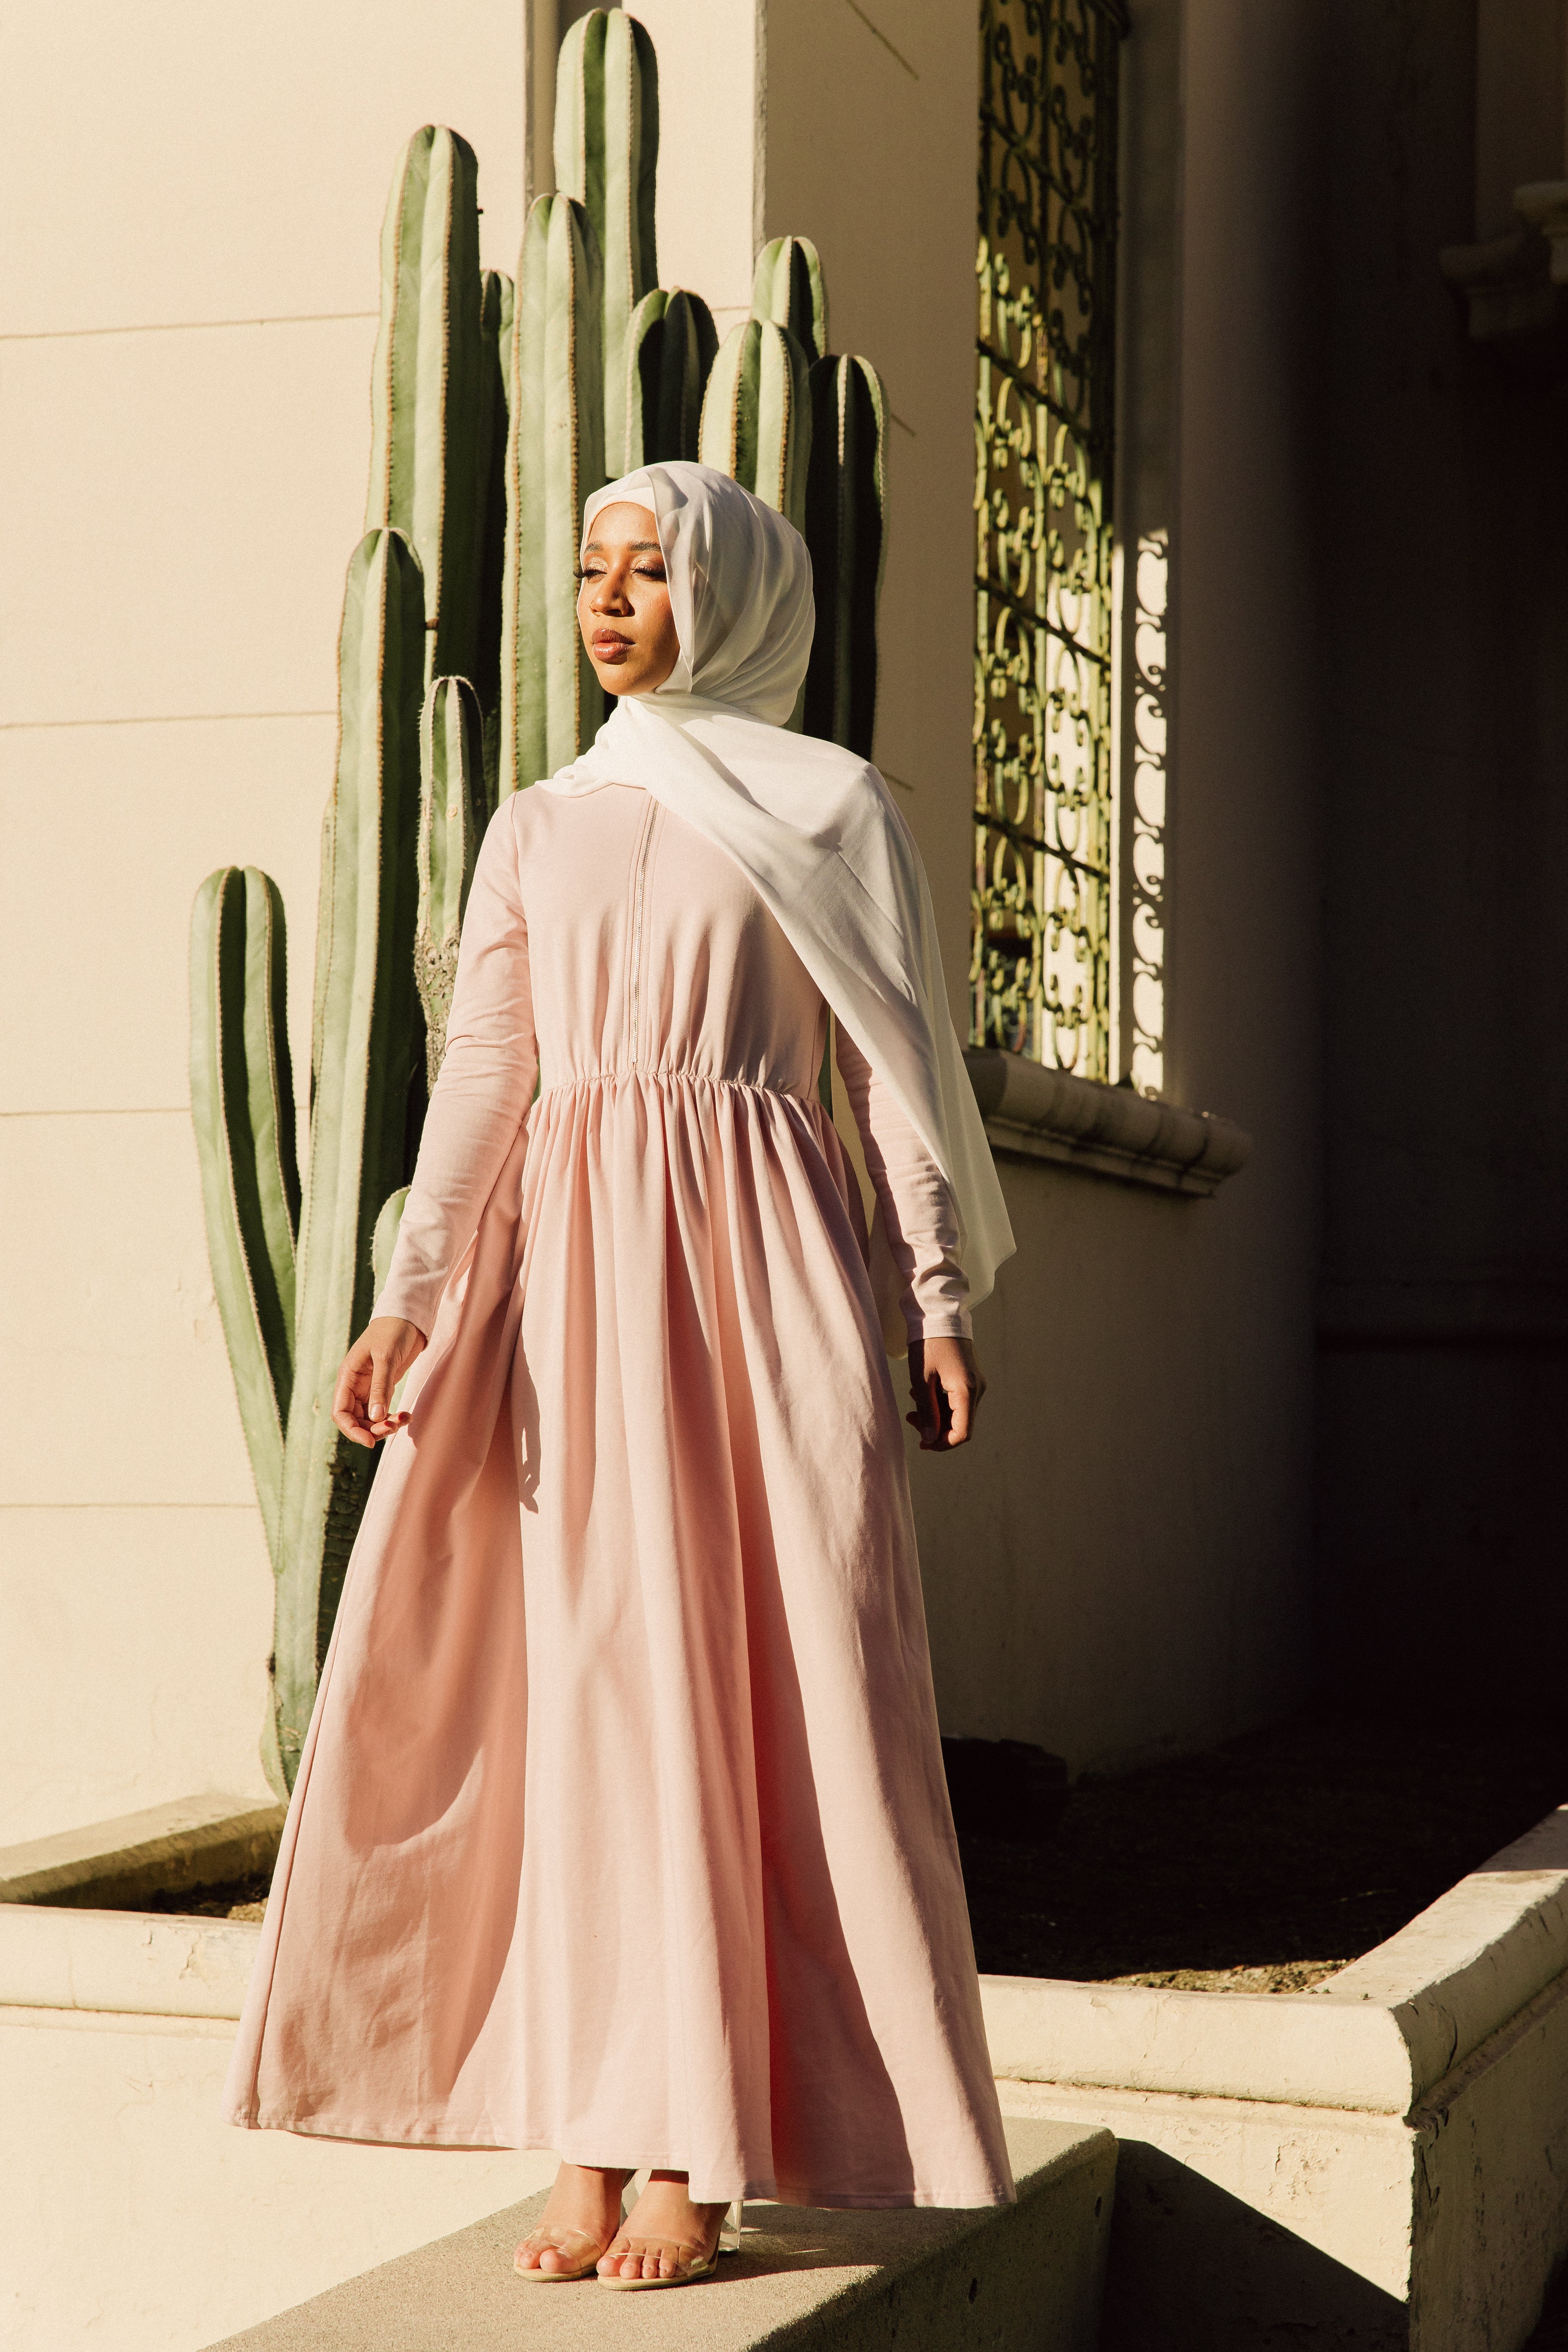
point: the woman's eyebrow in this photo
(633, 546)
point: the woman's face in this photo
(622, 605)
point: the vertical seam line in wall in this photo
(759, 126)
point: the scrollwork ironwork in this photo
(1144, 1016)
(1040, 965)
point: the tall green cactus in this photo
(242, 1099)
(551, 700)
(671, 343)
(846, 530)
(366, 1053)
(756, 416)
(606, 156)
(452, 814)
(846, 504)
(495, 334)
(436, 487)
(464, 586)
(427, 388)
(787, 286)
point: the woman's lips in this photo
(609, 648)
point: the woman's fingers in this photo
(946, 1385)
(367, 1381)
(349, 1396)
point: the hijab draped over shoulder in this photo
(812, 826)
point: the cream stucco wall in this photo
(188, 321)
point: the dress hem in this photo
(803, 2193)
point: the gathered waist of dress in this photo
(665, 1076)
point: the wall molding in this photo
(1035, 1113)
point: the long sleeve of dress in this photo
(917, 1208)
(484, 1089)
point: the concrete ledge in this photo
(1472, 1961)
(1378, 2038)
(1272, 2046)
(1036, 1113)
(139, 1963)
(198, 1841)
(1014, 2280)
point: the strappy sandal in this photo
(727, 2241)
(562, 2241)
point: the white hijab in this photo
(813, 827)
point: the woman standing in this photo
(621, 1827)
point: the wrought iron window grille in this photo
(1047, 863)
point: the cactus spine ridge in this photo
(452, 816)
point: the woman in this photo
(621, 1827)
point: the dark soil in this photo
(241, 1898)
(1265, 1865)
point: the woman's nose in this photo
(611, 594)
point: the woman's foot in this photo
(581, 2216)
(665, 2236)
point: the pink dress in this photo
(621, 1827)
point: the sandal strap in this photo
(555, 2240)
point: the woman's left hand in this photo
(946, 1385)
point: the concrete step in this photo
(203, 1840)
(1028, 2278)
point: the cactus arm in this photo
(788, 288)
(367, 1031)
(757, 414)
(671, 343)
(242, 1107)
(495, 329)
(550, 700)
(846, 530)
(426, 386)
(452, 814)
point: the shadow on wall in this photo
(1440, 1523)
(1193, 2269)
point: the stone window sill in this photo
(1035, 1113)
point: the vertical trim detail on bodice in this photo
(637, 927)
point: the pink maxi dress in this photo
(621, 1827)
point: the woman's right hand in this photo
(361, 1401)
